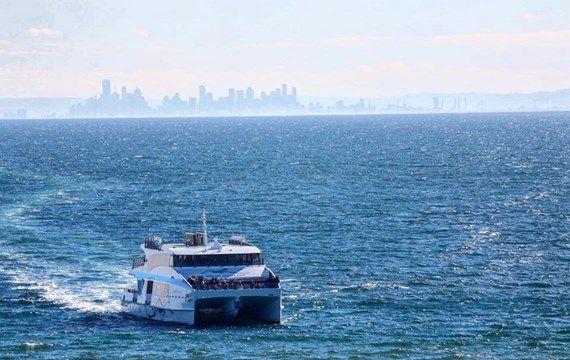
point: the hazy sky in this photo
(329, 48)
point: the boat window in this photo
(217, 260)
(149, 286)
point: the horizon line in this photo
(214, 116)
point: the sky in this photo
(326, 48)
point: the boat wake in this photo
(95, 301)
(54, 275)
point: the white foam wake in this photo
(68, 290)
(56, 283)
(95, 300)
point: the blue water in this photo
(423, 236)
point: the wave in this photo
(59, 286)
(94, 301)
(67, 286)
(370, 286)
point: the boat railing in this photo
(215, 284)
(138, 262)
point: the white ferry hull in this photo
(263, 305)
(159, 314)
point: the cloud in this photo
(543, 38)
(359, 41)
(341, 42)
(551, 38)
(279, 44)
(42, 32)
(555, 38)
(140, 32)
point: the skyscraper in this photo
(192, 105)
(239, 99)
(284, 90)
(249, 94)
(202, 98)
(106, 85)
(231, 99)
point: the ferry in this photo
(198, 280)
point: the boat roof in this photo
(211, 249)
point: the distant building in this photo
(240, 100)
(106, 88)
(339, 106)
(436, 105)
(231, 99)
(202, 98)
(249, 95)
(111, 104)
(192, 105)
(18, 114)
(173, 106)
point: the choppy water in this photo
(422, 236)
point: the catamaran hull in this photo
(208, 305)
(159, 314)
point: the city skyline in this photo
(237, 101)
(243, 102)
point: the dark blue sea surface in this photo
(409, 236)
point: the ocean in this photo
(422, 236)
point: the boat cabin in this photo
(197, 252)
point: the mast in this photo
(205, 227)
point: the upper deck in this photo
(201, 260)
(211, 249)
(198, 252)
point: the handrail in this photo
(232, 285)
(138, 262)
